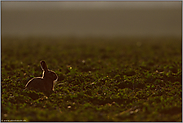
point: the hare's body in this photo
(39, 83)
(44, 83)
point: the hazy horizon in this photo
(91, 19)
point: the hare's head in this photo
(48, 74)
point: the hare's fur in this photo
(44, 83)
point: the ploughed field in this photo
(100, 79)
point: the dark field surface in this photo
(99, 79)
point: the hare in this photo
(45, 83)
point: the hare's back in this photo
(35, 84)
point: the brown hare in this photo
(45, 83)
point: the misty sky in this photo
(91, 18)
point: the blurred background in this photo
(91, 19)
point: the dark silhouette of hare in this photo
(45, 83)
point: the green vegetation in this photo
(99, 79)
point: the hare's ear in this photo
(44, 66)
